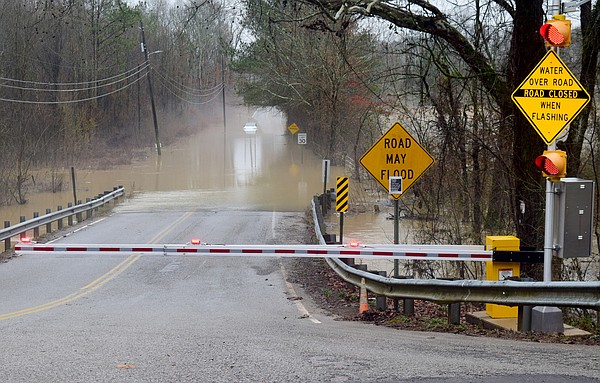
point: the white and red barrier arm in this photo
(406, 252)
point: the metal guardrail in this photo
(31, 224)
(511, 293)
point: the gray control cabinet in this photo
(575, 217)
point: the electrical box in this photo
(575, 217)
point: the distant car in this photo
(250, 127)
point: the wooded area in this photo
(446, 71)
(71, 80)
(73, 88)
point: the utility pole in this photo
(146, 55)
(223, 85)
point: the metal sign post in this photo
(395, 190)
(302, 140)
(341, 201)
(396, 156)
(550, 97)
(325, 177)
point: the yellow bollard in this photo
(498, 271)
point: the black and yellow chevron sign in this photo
(341, 198)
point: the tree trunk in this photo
(527, 48)
(590, 30)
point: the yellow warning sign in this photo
(396, 154)
(341, 194)
(550, 97)
(293, 128)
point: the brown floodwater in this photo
(216, 168)
(221, 168)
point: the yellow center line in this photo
(95, 284)
(104, 277)
(71, 297)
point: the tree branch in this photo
(435, 25)
(507, 6)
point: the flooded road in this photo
(216, 168)
(265, 170)
(220, 169)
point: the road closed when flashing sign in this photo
(550, 97)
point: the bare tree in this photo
(526, 48)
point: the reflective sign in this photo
(396, 154)
(293, 128)
(302, 138)
(550, 97)
(341, 194)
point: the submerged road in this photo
(131, 318)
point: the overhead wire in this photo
(94, 83)
(180, 91)
(216, 94)
(76, 100)
(214, 91)
(186, 89)
(75, 83)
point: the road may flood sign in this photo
(550, 97)
(396, 154)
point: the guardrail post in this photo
(408, 304)
(7, 240)
(36, 230)
(49, 224)
(454, 313)
(59, 221)
(325, 202)
(23, 234)
(408, 307)
(70, 218)
(381, 300)
(524, 319)
(78, 216)
(88, 212)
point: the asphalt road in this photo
(131, 318)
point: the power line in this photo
(77, 89)
(137, 68)
(171, 85)
(215, 94)
(76, 100)
(188, 90)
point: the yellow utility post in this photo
(498, 271)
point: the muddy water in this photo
(373, 228)
(216, 168)
(222, 169)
